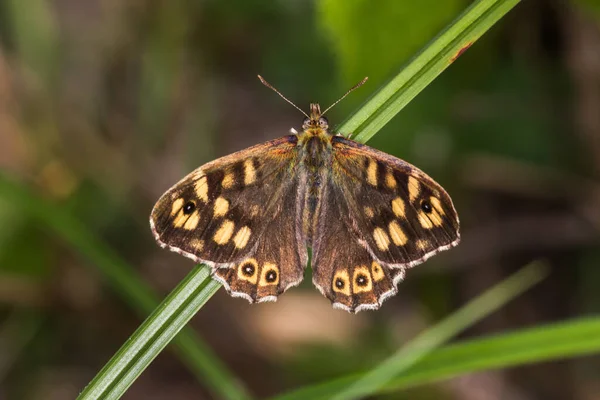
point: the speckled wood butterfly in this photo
(251, 215)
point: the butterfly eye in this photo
(426, 206)
(189, 207)
(323, 123)
(306, 122)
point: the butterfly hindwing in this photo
(216, 214)
(402, 214)
(279, 259)
(343, 269)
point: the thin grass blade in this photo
(425, 67)
(360, 386)
(528, 346)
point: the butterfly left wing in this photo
(380, 216)
(216, 214)
(278, 261)
(238, 215)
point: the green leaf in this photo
(460, 320)
(153, 336)
(542, 343)
(424, 67)
(402, 28)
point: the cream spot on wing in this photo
(362, 280)
(436, 218)
(398, 207)
(221, 207)
(177, 204)
(414, 188)
(180, 219)
(192, 221)
(341, 282)
(201, 187)
(397, 234)
(372, 172)
(377, 271)
(369, 211)
(422, 244)
(241, 237)
(224, 232)
(197, 244)
(390, 181)
(437, 205)
(433, 218)
(248, 270)
(228, 180)
(249, 172)
(269, 274)
(381, 239)
(425, 221)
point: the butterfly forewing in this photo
(402, 214)
(217, 213)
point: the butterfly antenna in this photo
(359, 84)
(267, 84)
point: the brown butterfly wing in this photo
(373, 224)
(219, 212)
(403, 215)
(279, 259)
(344, 271)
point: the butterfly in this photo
(251, 217)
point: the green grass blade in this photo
(542, 343)
(152, 337)
(567, 339)
(413, 352)
(424, 67)
(423, 344)
(121, 277)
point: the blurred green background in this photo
(105, 104)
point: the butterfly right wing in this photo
(402, 214)
(379, 215)
(344, 270)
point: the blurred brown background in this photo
(104, 104)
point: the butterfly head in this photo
(315, 120)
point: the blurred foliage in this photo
(104, 105)
(400, 33)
